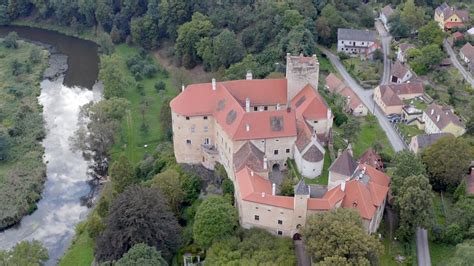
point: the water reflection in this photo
(60, 209)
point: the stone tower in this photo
(300, 71)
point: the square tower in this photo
(300, 71)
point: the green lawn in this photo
(81, 252)
(367, 72)
(371, 133)
(409, 131)
(417, 103)
(324, 63)
(440, 252)
(131, 139)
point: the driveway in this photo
(452, 55)
(422, 249)
(301, 256)
(385, 39)
(366, 98)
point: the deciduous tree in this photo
(431, 34)
(25, 253)
(406, 164)
(138, 215)
(122, 174)
(142, 254)
(215, 219)
(339, 233)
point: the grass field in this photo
(81, 251)
(409, 131)
(131, 140)
(439, 252)
(371, 133)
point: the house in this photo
(252, 127)
(354, 104)
(402, 51)
(413, 116)
(372, 158)
(449, 17)
(390, 97)
(365, 188)
(420, 142)
(442, 119)
(457, 36)
(400, 73)
(467, 53)
(385, 14)
(355, 42)
(470, 31)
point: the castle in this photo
(252, 127)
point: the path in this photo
(301, 256)
(467, 76)
(366, 97)
(386, 40)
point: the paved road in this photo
(457, 64)
(386, 40)
(366, 97)
(422, 249)
(301, 256)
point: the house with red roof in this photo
(390, 97)
(252, 127)
(442, 119)
(354, 104)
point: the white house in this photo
(385, 14)
(467, 53)
(355, 42)
(402, 51)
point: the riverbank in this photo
(22, 170)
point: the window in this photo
(287, 150)
(342, 42)
(277, 140)
(255, 108)
(279, 232)
(265, 108)
(187, 117)
(188, 141)
(275, 152)
(315, 121)
(362, 43)
(257, 218)
(207, 141)
(256, 208)
(280, 222)
(206, 128)
(205, 117)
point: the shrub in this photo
(453, 234)
(160, 86)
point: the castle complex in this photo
(252, 127)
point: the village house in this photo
(467, 53)
(470, 31)
(402, 51)
(356, 42)
(439, 119)
(354, 104)
(385, 14)
(390, 97)
(400, 73)
(413, 116)
(449, 17)
(420, 142)
(372, 158)
(252, 127)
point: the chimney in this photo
(265, 163)
(182, 87)
(273, 189)
(247, 104)
(437, 118)
(432, 111)
(263, 194)
(249, 75)
(214, 84)
(247, 127)
(278, 106)
(349, 149)
(343, 186)
(252, 173)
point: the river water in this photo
(60, 209)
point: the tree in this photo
(239, 70)
(447, 161)
(142, 254)
(4, 146)
(299, 40)
(340, 233)
(412, 15)
(350, 129)
(462, 213)
(165, 118)
(112, 77)
(464, 254)
(169, 184)
(4, 17)
(11, 40)
(138, 215)
(228, 48)
(414, 203)
(105, 43)
(287, 187)
(406, 164)
(252, 247)
(429, 57)
(36, 55)
(398, 28)
(189, 34)
(216, 218)
(122, 174)
(292, 18)
(431, 34)
(25, 253)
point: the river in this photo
(60, 209)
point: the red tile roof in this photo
(259, 190)
(354, 100)
(468, 51)
(309, 104)
(259, 91)
(328, 201)
(370, 157)
(450, 25)
(333, 83)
